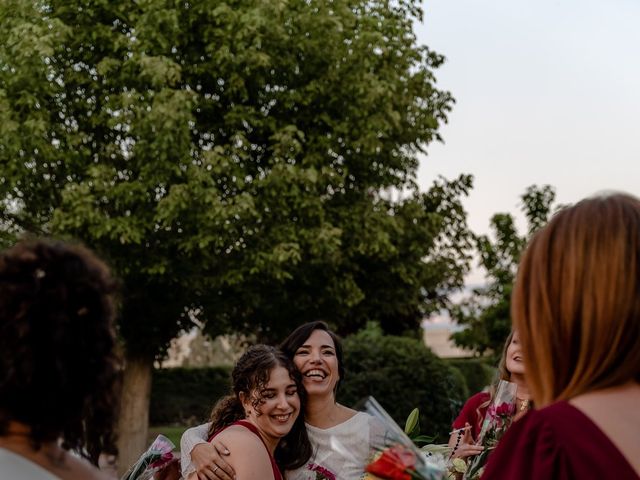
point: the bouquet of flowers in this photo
(396, 457)
(496, 422)
(158, 457)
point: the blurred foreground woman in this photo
(576, 305)
(57, 362)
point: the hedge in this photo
(402, 373)
(185, 396)
(478, 374)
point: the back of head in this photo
(576, 302)
(57, 362)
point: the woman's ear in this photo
(246, 403)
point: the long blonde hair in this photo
(502, 373)
(576, 301)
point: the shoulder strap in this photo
(274, 466)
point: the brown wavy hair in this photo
(250, 377)
(58, 367)
(576, 301)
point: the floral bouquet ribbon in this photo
(496, 421)
(158, 457)
(395, 455)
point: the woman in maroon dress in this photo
(576, 304)
(466, 427)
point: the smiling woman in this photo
(340, 437)
(316, 359)
(260, 421)
(466, 426)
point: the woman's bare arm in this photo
(202, 460)
(248, 455)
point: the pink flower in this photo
(503, 410)
(321, 472)
(165, 458)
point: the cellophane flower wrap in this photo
(396, 457)
(496, 421)
(157, 457)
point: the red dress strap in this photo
(277, 475)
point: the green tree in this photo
(486, 313)
(235, 162)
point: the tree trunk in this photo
(133, 422)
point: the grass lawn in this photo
(173, 433)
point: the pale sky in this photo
(547, 92)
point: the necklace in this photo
(524, 404)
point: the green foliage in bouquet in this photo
(412, 428)
(402, 373)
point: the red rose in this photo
(395, 463)
(505, 409)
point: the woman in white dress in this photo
(57, 362)
(340, 437)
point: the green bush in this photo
(402, 373)
(478, 374)
(460, 379)
(185, 396)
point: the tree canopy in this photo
(232, 159)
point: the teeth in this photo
(318, 373)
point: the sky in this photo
(547, 92)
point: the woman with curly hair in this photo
(260, 421)
(58, 368)
(341, 438)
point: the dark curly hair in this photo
(250, 377)
(58, 368)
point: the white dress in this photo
(16, 467)
(339, 453)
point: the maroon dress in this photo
(558, 442)
(277, 475)
(471, 414)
